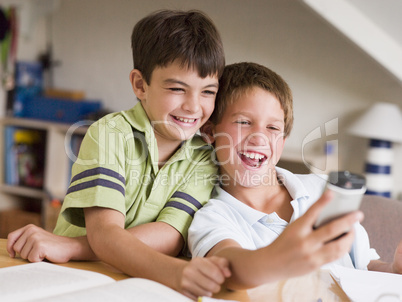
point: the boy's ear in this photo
(138, 83)
(207, 132)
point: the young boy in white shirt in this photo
(261, 217)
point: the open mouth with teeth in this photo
(252, 159)
(185, 120)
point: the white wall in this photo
(330, 77)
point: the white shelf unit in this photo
(56, 166)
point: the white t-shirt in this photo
(225, 217)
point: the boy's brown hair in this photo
(187, 36)
(237, 79)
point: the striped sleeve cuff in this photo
(182, 206)
(90, 183)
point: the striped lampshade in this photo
(382, 124)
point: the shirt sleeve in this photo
(190, 196)
(98, 176)
(361, 253)
(210, 227)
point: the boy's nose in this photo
(191, 104)
(257, 139)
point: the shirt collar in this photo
(292, 183)
(249, 214)
(138, 119)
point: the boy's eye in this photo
(243, 122)
(176, 89)
(274, 128)
(210, 92)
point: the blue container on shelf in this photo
(56, 110)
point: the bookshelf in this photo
(36, 204)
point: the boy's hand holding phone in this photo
(304, 249)
(347, 189)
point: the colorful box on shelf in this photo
(29, 75)
(55, 109)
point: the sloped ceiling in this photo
(373, 25)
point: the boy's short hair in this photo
(239, 78)
(187, 36)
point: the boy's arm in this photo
(35, 244)
(160, 236)
(297, 251)
(394, 267)
(119, 248)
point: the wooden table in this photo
(308, 288)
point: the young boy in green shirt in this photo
(141, 174)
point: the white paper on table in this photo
(367, 286)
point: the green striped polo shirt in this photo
(117, 168)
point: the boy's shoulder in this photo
(124, 121)
(197, 152)
(299, 185)
(197, 142)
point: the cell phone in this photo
(348, 189)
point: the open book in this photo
(50, 282)
(368, 286)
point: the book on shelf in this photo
(10, 176)
(43, 281)
(24, 156)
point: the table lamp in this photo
(382, 124)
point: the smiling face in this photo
(249, 139)
(177, 101)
